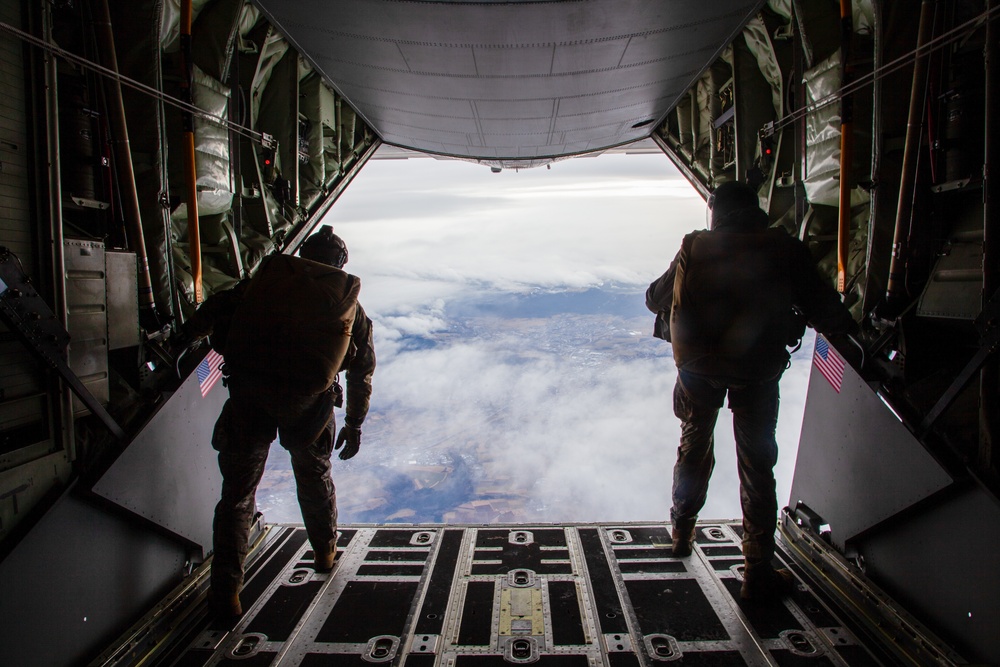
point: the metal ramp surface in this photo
(496, 596)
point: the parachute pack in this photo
(293, 326)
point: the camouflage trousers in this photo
(697, 401)
(250, 420)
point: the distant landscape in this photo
(517, 376)
(535, 407)
(450, 460)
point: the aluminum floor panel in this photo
(488, 596)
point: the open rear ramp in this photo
(490, 596)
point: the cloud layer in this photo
(517, 377)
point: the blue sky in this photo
(508, 317)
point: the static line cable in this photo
(262, 138)
(939, 42)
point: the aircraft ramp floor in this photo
(492, 596)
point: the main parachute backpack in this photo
(294, 324)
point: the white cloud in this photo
(453, 225)
(584, 443)
(412, 325)
(587, 443)
(584, 431)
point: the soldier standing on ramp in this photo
(285, 335)
(731, 301)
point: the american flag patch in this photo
(829, 363)
(209, 371)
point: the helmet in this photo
(728, 198)
(326, 247)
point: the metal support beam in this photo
(682, 166)
(896, 287)
(989, 379)
(63, 400)
(302, 232)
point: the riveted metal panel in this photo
(123, 300)
(84, 571)
(87, 319)
(864, 472)
(621, 61)
(169, 474)
(449, 615)
(961, 600)
(954, 288)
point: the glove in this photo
(352, 436)
(182, 341)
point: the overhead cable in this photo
(939, 42)
(261, 138)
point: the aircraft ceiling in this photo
(511, 82)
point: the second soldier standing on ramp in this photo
(729, 304)
(286, 334)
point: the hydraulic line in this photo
(58, 257)
(123, 157)
(259, 137)
(989, 379)
(846, 144)
(908, 176)
(190, 164)
(802, 59)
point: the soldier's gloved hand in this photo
(352, 436)
(182, 341)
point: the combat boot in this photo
(682, 537)
(763, 584)
(224, 601)
(323, 560)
